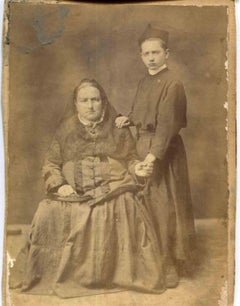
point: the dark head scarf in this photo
(73, 135)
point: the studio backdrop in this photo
(53, 47)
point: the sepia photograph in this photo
(119, 138)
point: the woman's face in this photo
(89, 103)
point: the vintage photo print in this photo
(119, 124)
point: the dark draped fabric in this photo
(101, 238)
(159, 113)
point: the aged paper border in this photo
(237, 231)
(230, 123)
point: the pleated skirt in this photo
(75, 249)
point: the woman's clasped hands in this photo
(66, 190)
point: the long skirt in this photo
(76, 249)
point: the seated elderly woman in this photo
(92, 232)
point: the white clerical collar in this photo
(153, 72)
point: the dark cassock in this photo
(159, 113)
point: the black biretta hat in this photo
(153, 32)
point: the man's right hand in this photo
(143, 170)
(122, 121)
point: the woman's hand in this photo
(66, 190)
(143, 169)
(122, 121)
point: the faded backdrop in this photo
(52, 47)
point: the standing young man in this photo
(159, 113)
